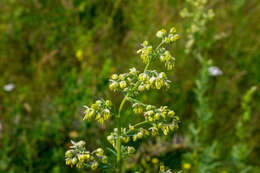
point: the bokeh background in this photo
(57, 55)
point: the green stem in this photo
(118, 145)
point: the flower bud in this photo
(172, 30)
(94, 165)
(74, 161)
(114, 86)
(69, 154)
(130, 150)
(161, 33)
(104, 159)
(171, 113)
(175, 37)
(158, 83)
(157, 116)
(122, 77)
(106, 114)
(152, 80)
(142, 77)
(133, 71)
(131, 127)
(141, 88)
(122, 84)
(167, 40)
(100, 152)
(149, 107)
(114, 76)
(147, 86)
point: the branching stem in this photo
(118, 145)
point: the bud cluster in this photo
(100, 111)
(146, 52)
(113, 136)
(79, 157)
(198, 15)
(152, 79)
(168, 37)
(166, 58)
(161, 118)
(125, 81)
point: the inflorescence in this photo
(156, 120)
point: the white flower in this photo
(9, 87)
(214, 71)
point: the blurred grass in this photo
(39, 41)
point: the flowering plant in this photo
(156, 120)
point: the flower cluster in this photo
(146, 52)
(125, 81)
(100, 111)
(199, 15)
(79, 157)
(167, 58)
(168, 37)
(152, 79)
(156, 120)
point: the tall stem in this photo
(118, 145)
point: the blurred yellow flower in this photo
(155, 160)
(73, 134)
(79, 54)
(186, 166)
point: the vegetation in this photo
(57, 56)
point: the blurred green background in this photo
(57, 55)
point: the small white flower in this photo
(9, 87)
(214, 71)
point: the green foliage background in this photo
(39, 42)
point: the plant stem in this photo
(119, 133)
(118, 145)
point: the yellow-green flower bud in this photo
(113, 86)
(167, 40)
(157, 116)
(94, 165)
(68, 161)
(108, 103)
(158, 83)
(131, 127)
(147, 86)
(100, 152)
(143, 77)
(161, 33)
(133, 71)
(86, 156)
(172, 30)
(69, 154)
(152, 80)
(149, 107)
(145, 43)
(74, 161)
(175, 37)
(122, 84)
(130, 150)
(114, 76)
(106, 114)
(122, 77)
(171, 113)
(126, 139)
(104, 159)
(141, 88)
